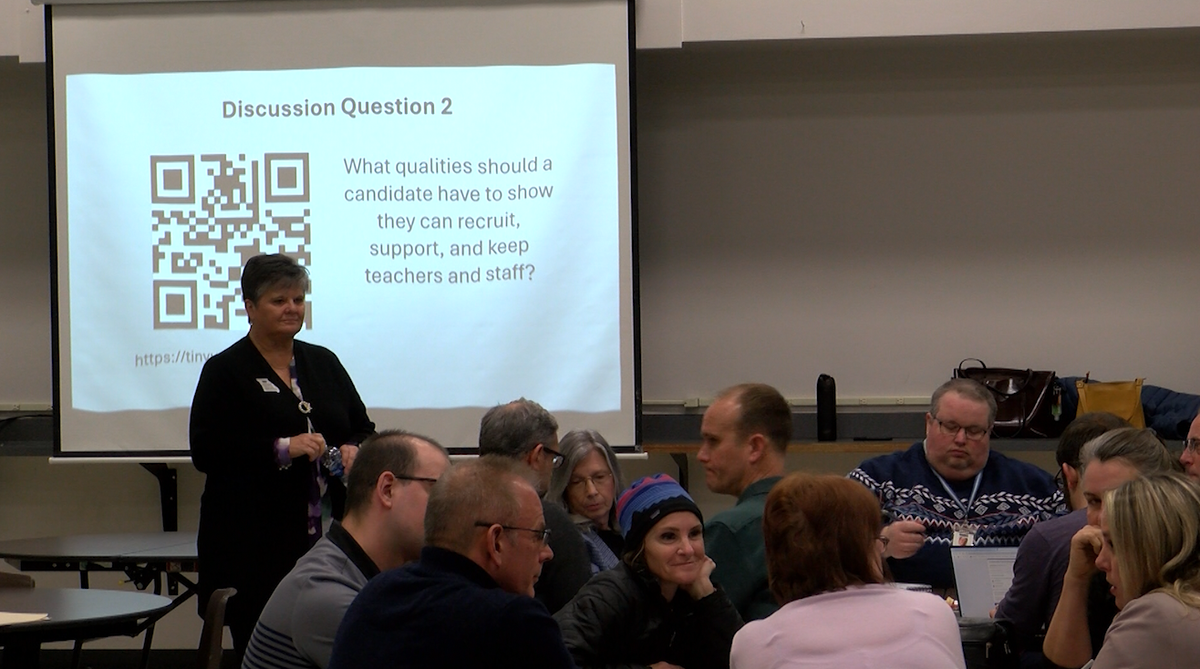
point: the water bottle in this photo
(332, 459)
(826, 408)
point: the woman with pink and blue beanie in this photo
(658, 608)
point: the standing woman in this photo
(264, 412)
(1150, 554)
(586, 486)
(658, 608)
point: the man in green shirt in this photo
(745, 436)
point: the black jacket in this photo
(620, 619)
(254, 515)
(564, 575)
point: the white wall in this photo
(669, 23)
(879, 210)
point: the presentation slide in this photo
(439, 211)
(466, 229)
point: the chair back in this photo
(13, 580)
(209, 655)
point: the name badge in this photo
(267, 386)
(964, 535)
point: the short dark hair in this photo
(263, 272)
(479, 490)
(762, 410)
(820, 533)
(1082, 430)
(969, 389)
(514, 429)
(392, 451)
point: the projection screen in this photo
(456, 176)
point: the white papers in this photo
(7, 618)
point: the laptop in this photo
(983, 575)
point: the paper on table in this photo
(13, 618)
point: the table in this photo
(143, 556)
(75, 615)
(679, 451)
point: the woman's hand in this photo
(349, 452)
(1085, 546)
(702, 586)
(311, 444)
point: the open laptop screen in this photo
(983, 575)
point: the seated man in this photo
(746, 432)
(951, 489)
(1086, 607)
(1042, 557)
(525, 432)
(386, 491)
(468, 602)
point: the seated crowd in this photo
(535, 554)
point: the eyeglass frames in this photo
(542, 536)
(557, 457)
(950, 429)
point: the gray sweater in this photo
(298, 625)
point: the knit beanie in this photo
(646, 502)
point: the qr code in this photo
(212, 213)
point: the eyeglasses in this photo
(1191, 445)
(557, 457)
(950, 429)
(596, 479)
(543, 535)
(422, 479)
(884, 540)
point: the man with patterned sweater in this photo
(950, 489)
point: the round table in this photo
(73, 614)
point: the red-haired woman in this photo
(824, 557)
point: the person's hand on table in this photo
(905, 538)
(311, 444)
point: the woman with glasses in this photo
(659, 607)
(585, 485)
(1148, 547)
(825, 560)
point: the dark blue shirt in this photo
(444, 611)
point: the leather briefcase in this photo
(1028, 402)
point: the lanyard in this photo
(305, 407)
(966, 509)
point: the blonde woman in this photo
(1150, 554)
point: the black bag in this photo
(985, 644)
(1028, 403)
